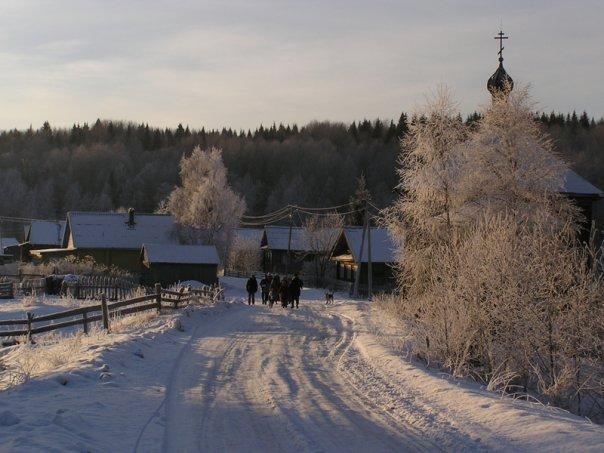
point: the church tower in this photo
(500, 81)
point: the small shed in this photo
(9, 247)
(41, 235)
(347, 256)
(5, 258)
(168, 263)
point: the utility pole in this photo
(369, 270)
(289, 241)
(357, 277)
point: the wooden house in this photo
(588, 198)
(9, 247)
(39, 235)
(347, 256)
(6, 259)
(275, 244)
(169, 263)
(253, 235)
(112, 239)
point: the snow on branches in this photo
(493, 280)
(205, 206)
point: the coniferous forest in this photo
(109, 165)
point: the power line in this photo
(328, 208)
(270, 214)
(331, 213)
(373, 206)
(294, 207)
(267, 221)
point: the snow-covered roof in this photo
(277, 238)
(100, 230)
(7, 242)
(180, 254)
(577, 185)
(382, 246)
(252, 234)
(46, 232)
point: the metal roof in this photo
(277, 238)
(100, 230)
(251, 234)
(382, 246)
(577, 185)
(46, 232)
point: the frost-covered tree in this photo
(495, 283)
(321, 233)
(510, 164)
(244, 255)
(204, 205)
(424, 216)
(357, 202)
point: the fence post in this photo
(77, 290)
(158, 296)
(115, 292)
(30, 318)
(105, 312)
(182, 290)
(85, 322)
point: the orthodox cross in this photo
(501, 36)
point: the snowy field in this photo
(38, 305)
(239, 378)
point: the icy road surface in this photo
(275, 380)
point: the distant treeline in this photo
(109, 165)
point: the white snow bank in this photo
(98, 392)
(495, 422)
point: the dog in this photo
(328, 298)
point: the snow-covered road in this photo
(229, 377)
(272, 380)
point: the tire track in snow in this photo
(194, 374)
(262, 380)
(397, 403)
(393, 434)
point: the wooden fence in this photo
(96, 286)
(31, 286)
(104, 311)
(243, 274)
(6, 290)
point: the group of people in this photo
(275, 289)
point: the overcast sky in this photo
(242, 63)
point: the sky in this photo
(242, 63)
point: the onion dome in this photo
(500, 81)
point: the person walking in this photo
(284, 292)
(275, 288)
(265, 287)
(252, 287)
(296, 289)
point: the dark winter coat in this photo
(296, 287)
(275, 284)
(265, 285)
(251, 285)
(284, 292)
